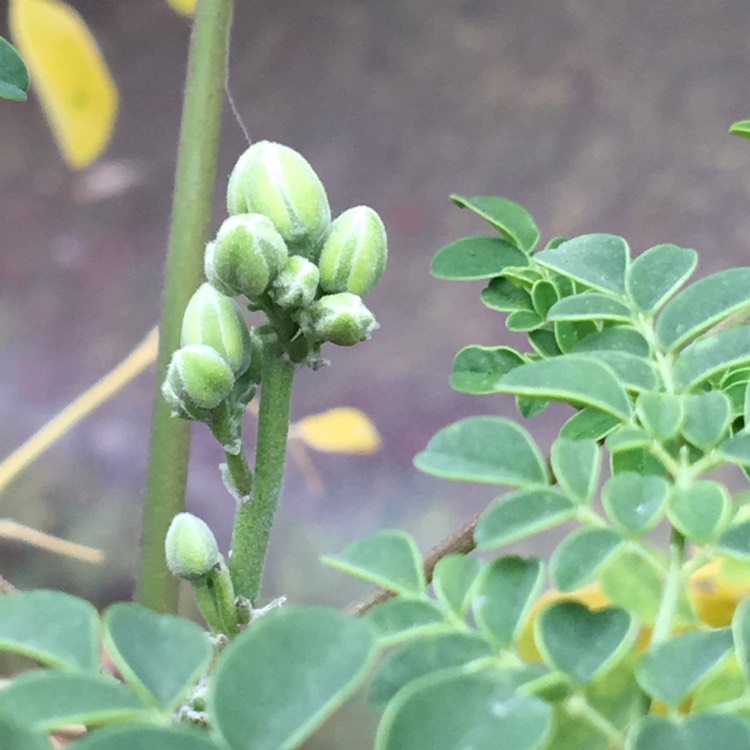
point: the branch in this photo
(460, 542)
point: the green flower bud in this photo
(214, 319)
(276, 181)
(354, 255)
(190, 547)
(297, 284)
(342, 319)
(247, 255)
(198, 380)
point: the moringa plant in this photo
(634, 635)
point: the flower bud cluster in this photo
(288, 255)
(280, 250)
(217, 353)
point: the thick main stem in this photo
(191, 214)
(252, 527)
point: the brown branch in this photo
(460, 542)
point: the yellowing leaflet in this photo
(68, 74)
(340, 430)
(185, 7)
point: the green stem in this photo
(670, 600)
(240, 475)
(225, 599)
(191, 214)
(579, 707)
(252, 526)
(204, 594)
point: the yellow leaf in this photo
(185, 7)
(340, 430)
(69, 74)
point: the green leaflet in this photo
(655, 275)
(476, 258)
(599, 261)
(512, 219)
(701, 305)
(492, 450)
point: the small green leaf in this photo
(503, 295)
(530, 407)
(576, 465)
(473, 258)
(695, 732)
(737, 375)
(399, 619)
(389, 559)
(544, 342)
(634, 502)
(476, 369)
(707, 417)
(626, 438)
(49, 700)
(543, 296)
(740, 128)
(735, 541)
(589, 424)
(599, 261)
(505, 595)
(491, 450)
(633, 372)
(655, 275)
(454, 579)
(633, 582)
(160, 656)
(741, 635)
(737, 396)
(14, 77)
(569, 335)
(736, 448)
(422, 657)
(50, 627)
(574, 378)
(308, 660)
(672, 669)
(521, 514)
(512, 219)
(703, 304)
(661, 414)
(589, 306)
(723, 684)
(523, 276)
(615, 339)
(136, 737)
(700, 510)
(581, 642)
(444, 711)
(710, 355)
(522, 321)
(636, 460)
(579, 556)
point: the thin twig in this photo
(460, 542)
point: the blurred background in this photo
(598, 117)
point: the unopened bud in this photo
(190, 547)
(278, 182)
(246, 256)
(354, 254)
(297, 284)
(198, 380)
(342, 319)
(214, 319)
